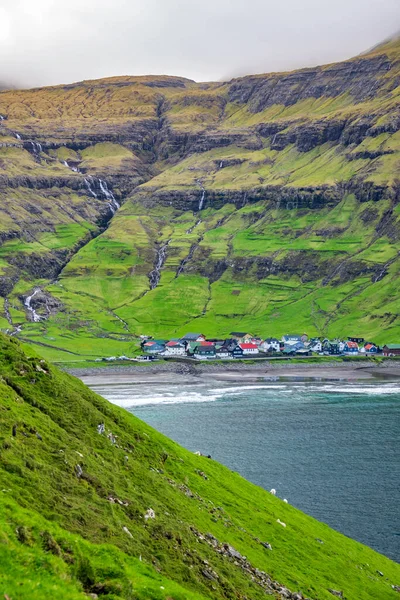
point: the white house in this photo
(249, 348)
(174, 349)
(270, 345)
(315, 346)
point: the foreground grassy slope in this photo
(73, 503)
(277, 196)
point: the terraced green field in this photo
(274, 200)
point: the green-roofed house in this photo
(391, 350)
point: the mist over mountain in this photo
(44, 43)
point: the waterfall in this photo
(109, 195)
(101, 187)
(201, 203)
(28, 303)
(221, 164)
(72, 167)
(36, 147)
(2, 118)
(90, 188)
(155, 274)
(17, 136)
(273, 139)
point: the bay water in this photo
(331, 449)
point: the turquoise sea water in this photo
(332, 450)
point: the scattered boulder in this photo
(78, 471)
(335, 593)
(210, 574)
(284, 592)
(257, 576)
(230, 551)
(101, 428)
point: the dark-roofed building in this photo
(391, 350)
(205, 352)
(193, 337)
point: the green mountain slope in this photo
(270, 203)
(73, 506)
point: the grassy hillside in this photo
(73, 507)
(277, 197)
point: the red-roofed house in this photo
(174, 348)
(350, 348)
(369, 348)
(249, 348)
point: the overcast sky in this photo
(46, 42)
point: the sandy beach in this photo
(177, 372)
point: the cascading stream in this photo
(190, 230)
(101, 187)
(28, 303)
(155, 274)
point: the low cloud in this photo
(44, 42)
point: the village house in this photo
(241, 336)
(249, 348)
(205, 352)
(270, 345)
(350, 348)
(154, 346)
(230, 344)
(331, 347)
(357, 340)
(222, 353)
(369, 348)
(391, 350)
(294, 338)
(237, 352)
(174, 348)
(295, 348)
(315, 345)
(193, 337)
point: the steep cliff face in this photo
(283, 185)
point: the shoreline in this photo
(176, 372)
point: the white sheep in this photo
(281, 523)
(150, 514)
(273, 492)
(285, 501)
